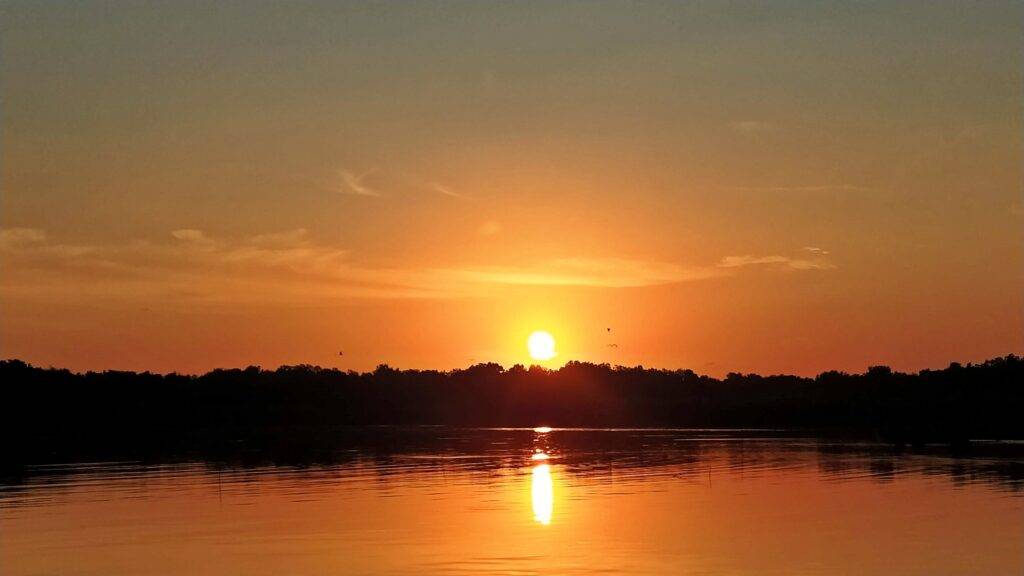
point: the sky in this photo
(779, 187)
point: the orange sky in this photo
(791, 188)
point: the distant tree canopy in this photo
(971, 401)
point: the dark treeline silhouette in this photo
(951, 405)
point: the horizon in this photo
(528, 366)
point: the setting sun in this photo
(541, 345)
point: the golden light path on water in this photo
(542, 487)
(542, 493)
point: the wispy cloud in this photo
(621, 272)
(355, 184)
(816, 250)
(194, 237)
(601, 272)
(189, 235)
(748, 260)
(289, 238)
(782, 261)
(808, 188)
(445, 190)
(10, 237)
(193, 268)
(35, 240)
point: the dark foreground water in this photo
(472, 501)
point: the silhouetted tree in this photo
(959, 402)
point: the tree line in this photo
(960, 402)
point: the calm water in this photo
(458, 501)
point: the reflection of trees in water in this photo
(381, 454)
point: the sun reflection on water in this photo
(542, 493)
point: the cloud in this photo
(33, 240)
(290, 268)
(195, 238)
(189, 235)
(442, 189)
(810, 188)
(816, 250)
(195, 269)
(783, 261)
(599, 272)
(10, 237)
(798, 264)
(748, 260)
(292, 238)
(354, 184)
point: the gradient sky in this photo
(779, 187)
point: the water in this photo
(500, 501)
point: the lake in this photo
(436, 500)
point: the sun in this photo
(541, 345)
